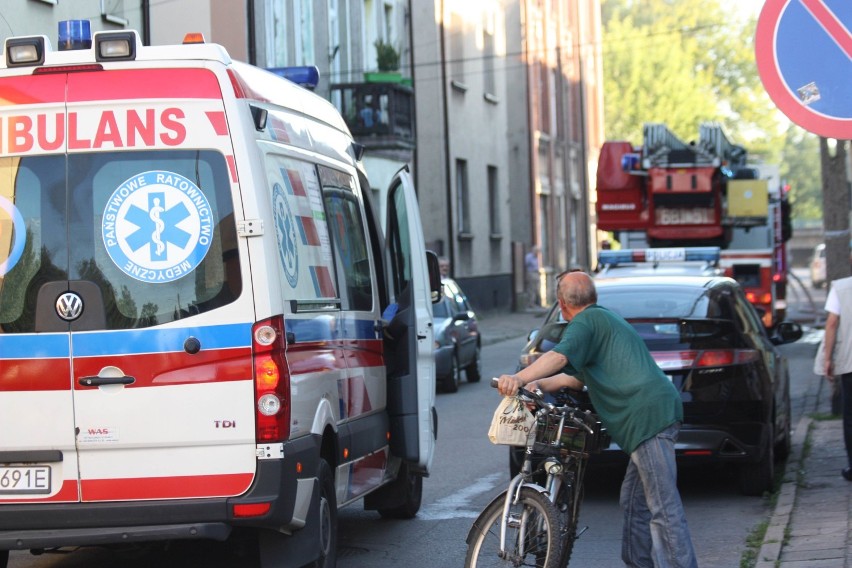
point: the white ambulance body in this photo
(192, 285)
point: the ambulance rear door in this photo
(131, 275)
(411, 384)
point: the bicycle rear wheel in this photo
(532, 534)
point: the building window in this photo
(306, 33)
(276, 34)
(457, 47)
(493, 201)
(488, 53)
(463, 196)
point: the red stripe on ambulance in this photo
(218, 122)
(136, 488)
(135, 84)
(165, 369)
(32, 89)
(27, 375)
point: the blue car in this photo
(458, 343)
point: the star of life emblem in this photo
(157, 226)
(286, 232)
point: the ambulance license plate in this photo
(24, 479)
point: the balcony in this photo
(380, 115)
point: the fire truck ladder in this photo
(662, 148)
(712, 139)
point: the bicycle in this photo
(534, 521)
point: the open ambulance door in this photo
(411, 379)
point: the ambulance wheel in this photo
(328, 518)
(411, 486)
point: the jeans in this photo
(655, 530)
(846, 397)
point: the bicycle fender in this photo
(477, 528)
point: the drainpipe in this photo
(146, 22)
(251, 31)
(447, 156)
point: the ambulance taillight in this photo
(271, 381)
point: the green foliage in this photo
(684, 62)
(387, 57)
(800, 166)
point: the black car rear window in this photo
(688, 334)
(643, 301)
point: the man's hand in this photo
(508, 384)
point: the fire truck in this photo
(671, 193)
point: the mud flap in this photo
(279, 550)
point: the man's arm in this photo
(556, 382)
(549, 364)
(832, 322)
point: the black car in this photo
(710, 341)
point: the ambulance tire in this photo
(409, 487)
(4, 558)
(328, 518)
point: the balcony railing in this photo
(380, 115)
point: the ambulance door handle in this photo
(101, 381)
(109, 375)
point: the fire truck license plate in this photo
(32, 479)
(694, 216)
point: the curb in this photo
(773, 540)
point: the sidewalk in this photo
(810, 526)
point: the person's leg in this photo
(636, 534)
(655, 463)
(846, 398)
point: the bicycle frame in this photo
(553, 481)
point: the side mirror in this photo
(786, 332)
(434, 276)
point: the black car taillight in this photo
(690, 359)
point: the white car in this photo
(817, 266)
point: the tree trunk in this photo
(835, 214)
(835, 210)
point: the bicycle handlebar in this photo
(537, 397)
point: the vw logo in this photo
(69, 306)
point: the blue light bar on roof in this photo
(306, 76)
(676, 254)
(74, 34)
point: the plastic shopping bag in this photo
(511, 423)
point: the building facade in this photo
(495, 106)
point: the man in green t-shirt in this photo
(640, 408)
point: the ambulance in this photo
(205, 329)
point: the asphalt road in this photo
(468, 471)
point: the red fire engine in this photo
(669, 193)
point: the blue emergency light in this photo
(305, 76)
(677, 254)
(75, 34)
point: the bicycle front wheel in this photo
(532, 534)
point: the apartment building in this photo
(494, 105)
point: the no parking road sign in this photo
(804, 56)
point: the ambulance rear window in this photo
(152, 230)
